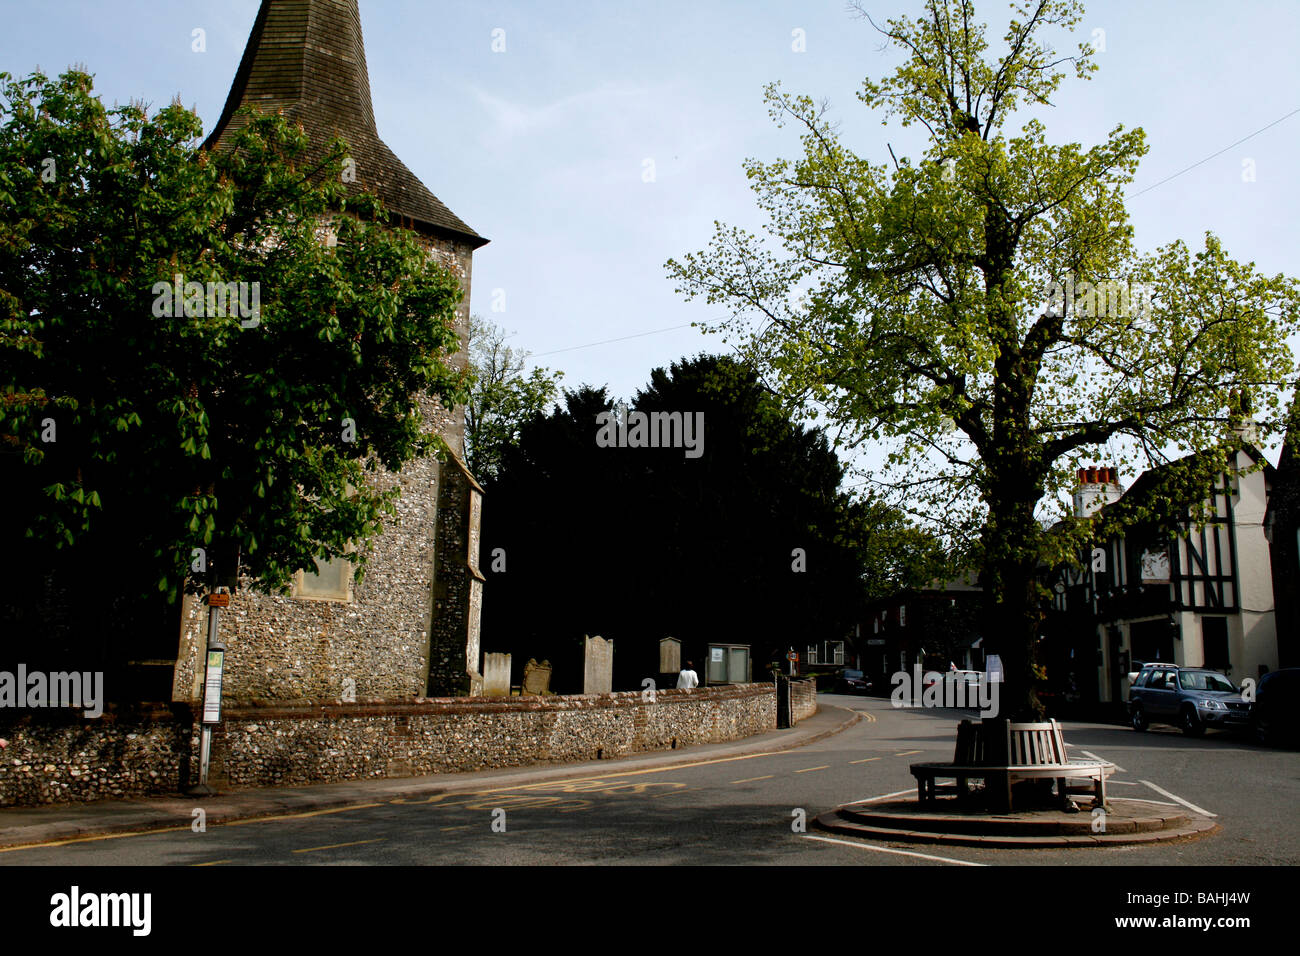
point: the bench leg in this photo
(999, 789)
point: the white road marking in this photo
(1187, 804)
(1158, 803)
(1093, 756)
(886, 849)
(886, 796)
(1120, 783)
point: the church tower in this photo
(410, 628)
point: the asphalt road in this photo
(745, 810)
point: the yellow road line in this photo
(364, 806)
(864, 760)
(335, 846)
(299, 816)
(752, 779)
(673, 793)
(210, 863)
(811, 769)
(88, 839)
(906, 753)
(230, 823)
(633, 773)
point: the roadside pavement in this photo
(24, 826)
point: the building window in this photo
(838, 651)
(812, 654)
(331, 581)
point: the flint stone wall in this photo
(74, 760)
(278, 745)
(283, 747)
(410, 628)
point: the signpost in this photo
(215, 661)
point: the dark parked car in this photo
(1275, 718)
(1192, 698)
(852, 682)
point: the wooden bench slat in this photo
(1034, 751)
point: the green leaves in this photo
(982, 310)
(910, 301)
(179, 421)
(501, 398)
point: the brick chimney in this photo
(1097, 487)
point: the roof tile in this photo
(307, 59)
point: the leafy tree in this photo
(637, 544)
(929, 314)
(501, 397)
(178, 425)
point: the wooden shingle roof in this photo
(306, 58)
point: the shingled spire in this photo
(306, 58)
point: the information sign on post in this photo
(212, 686)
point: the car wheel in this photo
(1191, 724)
(1139, 719)
(1261, 731)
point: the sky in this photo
(545, 146)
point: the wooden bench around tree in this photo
(1000, 753)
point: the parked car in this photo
(1192, 698)
(852, 682)
(1275, 718)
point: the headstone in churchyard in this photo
(537, 678)
(496, 675)
(598, 666)
(670, 655)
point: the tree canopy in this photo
(501, 396)
(749, 543)
(984, 309)
(203, 356)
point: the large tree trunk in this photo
(1013, 608)
(1014, 478)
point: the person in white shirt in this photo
(688, 679)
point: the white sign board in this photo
(717, 654)
(1155, 567)
(212, 688)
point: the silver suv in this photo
(1193, 698)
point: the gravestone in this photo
(598, 666)
(670, 655)
(496, 675)
(537, 678)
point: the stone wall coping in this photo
(432, 706)
(253, 711)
